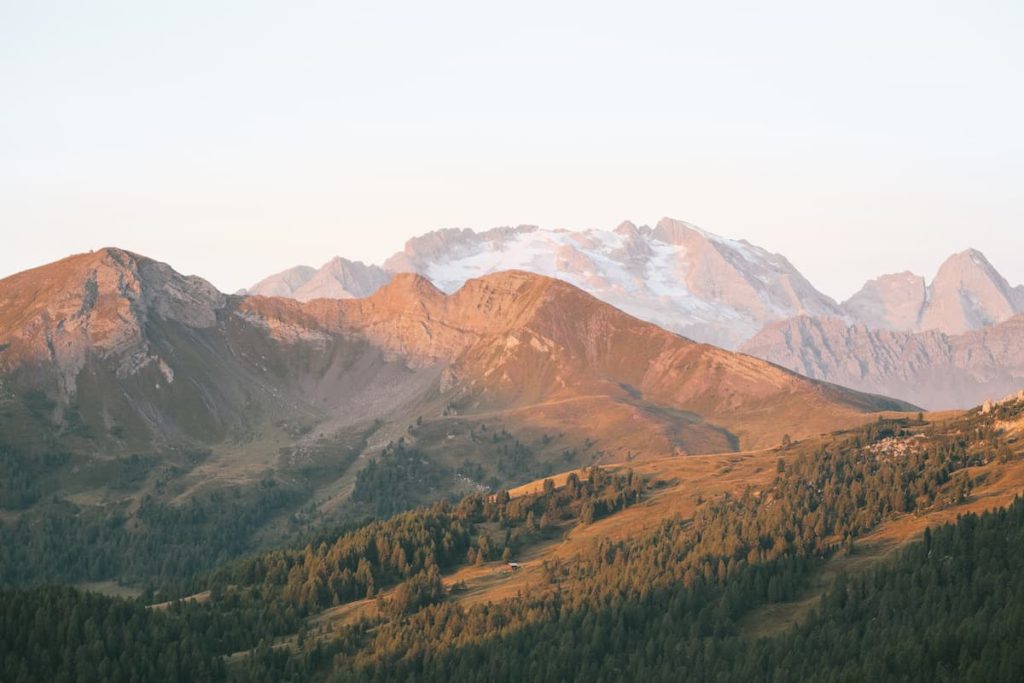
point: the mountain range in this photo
(675, 275)
(931, 369)
(736, 295)
(313, 486)
(121, 344)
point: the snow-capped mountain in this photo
(678, 276)
(685, 279)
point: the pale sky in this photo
(233, 140)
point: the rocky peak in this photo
(628, 230)
(407, 287)
(893, 302)
(285, 283)
(428, 246)
(672, 231)
(97, 303)
(339, 278)
(966, 294)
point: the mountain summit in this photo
(950, 344)
(339, 278)
(968, 293)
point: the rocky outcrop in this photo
(99, 304)
(337, 279)
(966, 294)
(889, 302)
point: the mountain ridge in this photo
(930, 368)
(675, 274)
(691, 281)
(155, 344)
(967, 293)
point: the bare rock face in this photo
(285, 283)
(97, 303)
(889, 302)
(966, 294)
(950, 344)
(931, 368)
(337, 279)
(676, 275)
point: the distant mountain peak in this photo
(970, 254)
(339, 278)
(677, 275)
(966, 294)
(629, 230)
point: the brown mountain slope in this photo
(113, 351)
(124, 350)
(528, 345)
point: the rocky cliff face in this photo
(98, 304)
(966, 294)
(949, 344)
(931, 369)
(337, 279)
(889, 302)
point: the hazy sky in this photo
(233, 140)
